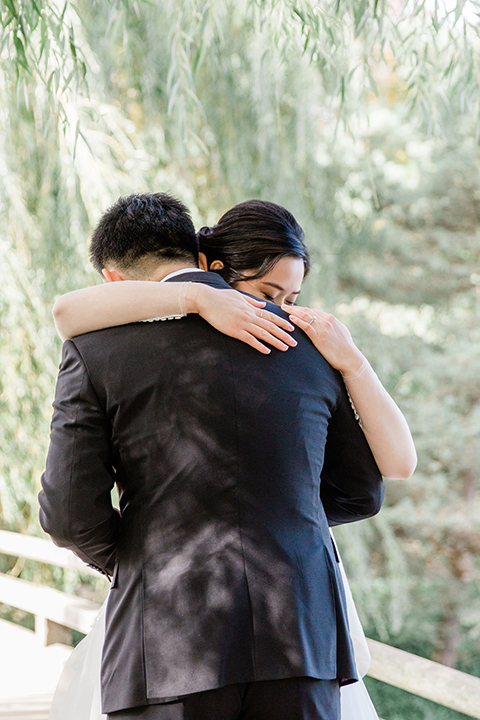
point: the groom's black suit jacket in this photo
(230, 465)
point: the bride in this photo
(261, 259)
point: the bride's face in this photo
(281, 285)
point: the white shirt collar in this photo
(179, 272)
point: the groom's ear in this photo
(202, 261)
(112, 275)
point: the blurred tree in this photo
(412, 284)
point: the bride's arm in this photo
(383, 423)
(120, 303)
(116, 303)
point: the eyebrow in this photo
(279, 287)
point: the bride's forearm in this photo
(120, 303)
(383, 423)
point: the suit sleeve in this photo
(75, 502)
(351, 487)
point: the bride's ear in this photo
(203, 263)
(217, 265)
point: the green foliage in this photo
(431, 46)
(414, 279)
(38, 44)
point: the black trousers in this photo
(301, 698)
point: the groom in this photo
(226, 599)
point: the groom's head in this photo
(144, 237)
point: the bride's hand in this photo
(330, 336)
(241, 317)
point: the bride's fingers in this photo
(272, 330)
(275, 319)
(302, 312)
(245, 337)
(253, 301)
(301, 322)
(267, 332)
(308, 327)
(294, 309)
(265, 336)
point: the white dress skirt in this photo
(78, 694)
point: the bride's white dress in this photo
(77, 696)
(355, 700)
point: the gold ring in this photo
(312, 320)
(261, 313)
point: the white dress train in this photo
(354, 698)
(78, 693)
(77, 696)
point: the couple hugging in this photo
(230, 435)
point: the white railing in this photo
(54, 611)
(427, 679)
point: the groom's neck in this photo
(167, 269)
(147, 271)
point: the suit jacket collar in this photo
(215, 280)
(208, 278)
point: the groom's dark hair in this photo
(151, 227)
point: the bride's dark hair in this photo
(253, 235)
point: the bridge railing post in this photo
(41, 630)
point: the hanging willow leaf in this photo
(334, 25)
(73, 49)
(10, 5)
(21, 56)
